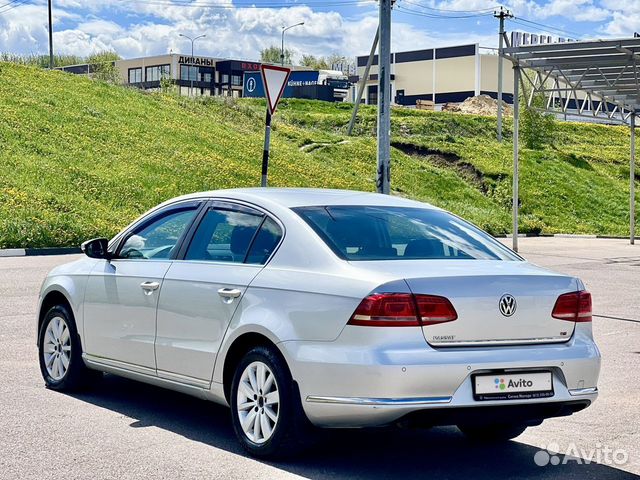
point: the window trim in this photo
(141, 75)
(235, 205)
(160, 66)
(156, 215)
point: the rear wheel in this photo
(493, 432)
(60, 353)
(265, 406)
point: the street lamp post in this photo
(284, 29)
(192, 42)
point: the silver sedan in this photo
(300, 308)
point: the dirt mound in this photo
(479, 105)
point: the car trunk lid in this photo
(476, 289)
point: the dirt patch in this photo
(479, 105)
(309, 147)
(446, 159)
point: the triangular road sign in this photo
(274, 79)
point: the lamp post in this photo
(192, 42)
(284, 29)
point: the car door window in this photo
(157, 239)
(266, 241)
(224, 235)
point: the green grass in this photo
(81, 158)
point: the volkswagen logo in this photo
(507, 305)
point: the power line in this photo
(248, 4)
(519, 21)
(454, 11)
(409, 11)
(13, 4)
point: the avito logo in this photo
(520, 383)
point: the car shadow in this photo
(440, 453)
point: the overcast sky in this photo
(240, 28)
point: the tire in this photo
(288, 431)
(493, 432)
(60, 352)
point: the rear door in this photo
(203, 288)
(122, 294)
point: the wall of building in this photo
(451, 74)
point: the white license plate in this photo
(512, 386)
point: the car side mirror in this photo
(96, 248)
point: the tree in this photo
(537, 128)
(334, 61)
(103, 66)
(317, 63)
(272, 55)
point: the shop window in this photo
(135, 75)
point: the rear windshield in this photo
(401, 233)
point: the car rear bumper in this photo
(373, 376)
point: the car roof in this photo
(304, 197)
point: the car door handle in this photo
(149, 287)
(229, 292)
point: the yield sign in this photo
(274, 80)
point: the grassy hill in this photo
(81, 158)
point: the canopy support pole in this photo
(516, 122)
(632, 181)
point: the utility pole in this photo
(501, 14)
(192, 60)
(51, 65)
(384, 99)
(284, 29)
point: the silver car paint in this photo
(301, 300)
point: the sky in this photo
(241, 28)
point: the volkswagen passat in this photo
(300, 307)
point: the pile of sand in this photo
(480, 105)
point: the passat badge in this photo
(507, 305)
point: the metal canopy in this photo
(597, 79)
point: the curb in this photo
(32, 252)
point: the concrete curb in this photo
(32, 252)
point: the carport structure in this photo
(599, 80)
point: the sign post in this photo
(274, 80)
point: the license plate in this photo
(512, 386)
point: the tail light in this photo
(402, 310)
(574, 307)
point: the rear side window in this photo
(401, 233)
(226, 235)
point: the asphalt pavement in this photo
(128, 430)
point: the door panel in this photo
(201, 293)
(193, 317)
(122, 294)
(119, 316)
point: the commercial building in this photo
(192, 75)
(441, 75)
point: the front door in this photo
(122, 294)
(201, 292)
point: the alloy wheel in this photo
(57, 348)
(258, 402)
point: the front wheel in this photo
(494, 432)
(265, 406)
(60, 353)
